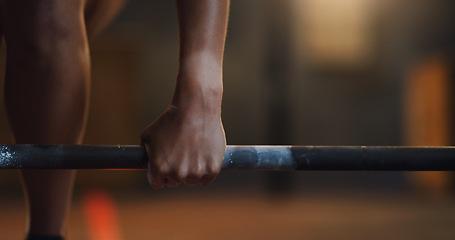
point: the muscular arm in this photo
(187, 142)
(202, 34)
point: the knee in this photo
(40, 26)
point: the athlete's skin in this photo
(47, 87)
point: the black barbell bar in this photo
(300, 158)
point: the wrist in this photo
(195, 61)
(199, 83)
(198, 103)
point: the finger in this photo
(194, 175)
(191, 181)
(153, 178)
(207, 178)
(169, 182)
(173, 178)
(212, 171)
(155, 181)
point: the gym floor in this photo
(246, 212)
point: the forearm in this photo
(187, 142)
(202, 30)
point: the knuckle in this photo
(214, 169)
(197, 171)
(182, 174)
(163, 169)
(197, 174)
(214, 166)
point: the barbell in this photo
(300, 158)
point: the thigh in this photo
(99, 13)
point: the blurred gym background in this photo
(300, 72)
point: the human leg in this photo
(47, 88)
(46, 96)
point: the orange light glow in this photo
(101, 216)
